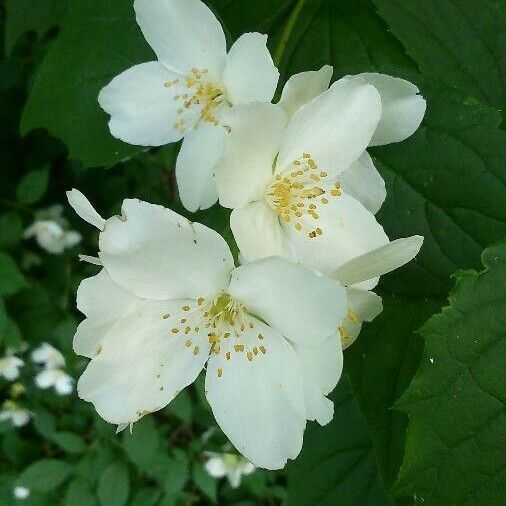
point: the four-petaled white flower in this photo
(168, 301)
(187, 91)
(20, 492)
(14, 413)
(58, 379)
(231, 465)
(51, 231)
(10, 365)
(297, 175)
(48, 356)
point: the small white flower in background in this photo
(48, 356)
(231, 465)
(58, 379)
(187, 91)
(297, 175)
(10, 365)
(168, 301)
(12, 412)
(51, 231)
(21, 493)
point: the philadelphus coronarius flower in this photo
(10, 365)
(297, 174)
(187, 91)
(52, 375)
(14, 413)
(168, 301)
(231, 465)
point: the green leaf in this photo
(31, 15)
(460, 42)
(11, 335)
(79, 494)
(69, 442)
(88, 53)
(204, 482)
(143, 443)
(45, 475)
(11, 279)
(337, 463)
(182, 406)
(457, 425)
(33, 186)
(145, 497)
(114, 485)
(11, 230)
(448, 184)
(381, 364)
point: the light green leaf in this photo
(31, 15)
(143, 443)
(337, 463)
(457, 424)
(88, 53)
(45, 475)
(460, 42)
(11, 279)
(33, 186)
(79, 494)
(114, 485)
(11, 335)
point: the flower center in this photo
(200, 92)
(299, 191)
(229, 328)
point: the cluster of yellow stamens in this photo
(199, 92)
(298, 191)
(344, 333)
(224, 320)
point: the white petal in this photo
(201, 149)
(64, 384)
(184, 34)
(303, 87)
(20, 417)
(234, 477)
(293, 300)
(142, 366)
(378, 261)
(250, 74)
(246, 167)
(103, 303)
(71, 238)
(90, 260)
(322, 366)
(84, 209)
(258, 233)
(349, 229)
(48, 355)
(363, 182)
(155, 253)
(259, 403)
(215, 467)
(46, 378)
(363, 306)
(403, 108)
(334, 128)
(142, 109)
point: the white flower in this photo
(298, 177)
(48, 356)
(50, 230)
(233, 466)
(10, 365)
(62, 383)
(21, 493)
(168, 301)
(14, 413)
(363, 272)
(186, 92)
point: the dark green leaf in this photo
(11, 279)
(69, 442)
(457, 424)
(145, 497)
(460, 42)
(45, 475)
(31, 15)
(11, 229)
(33, 186)
(11, 335)
(182, 406)
(206, 483)
(114, 485)
(337, 464)
(88, 53)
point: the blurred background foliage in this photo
(447, 183)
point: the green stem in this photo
(285, 36)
